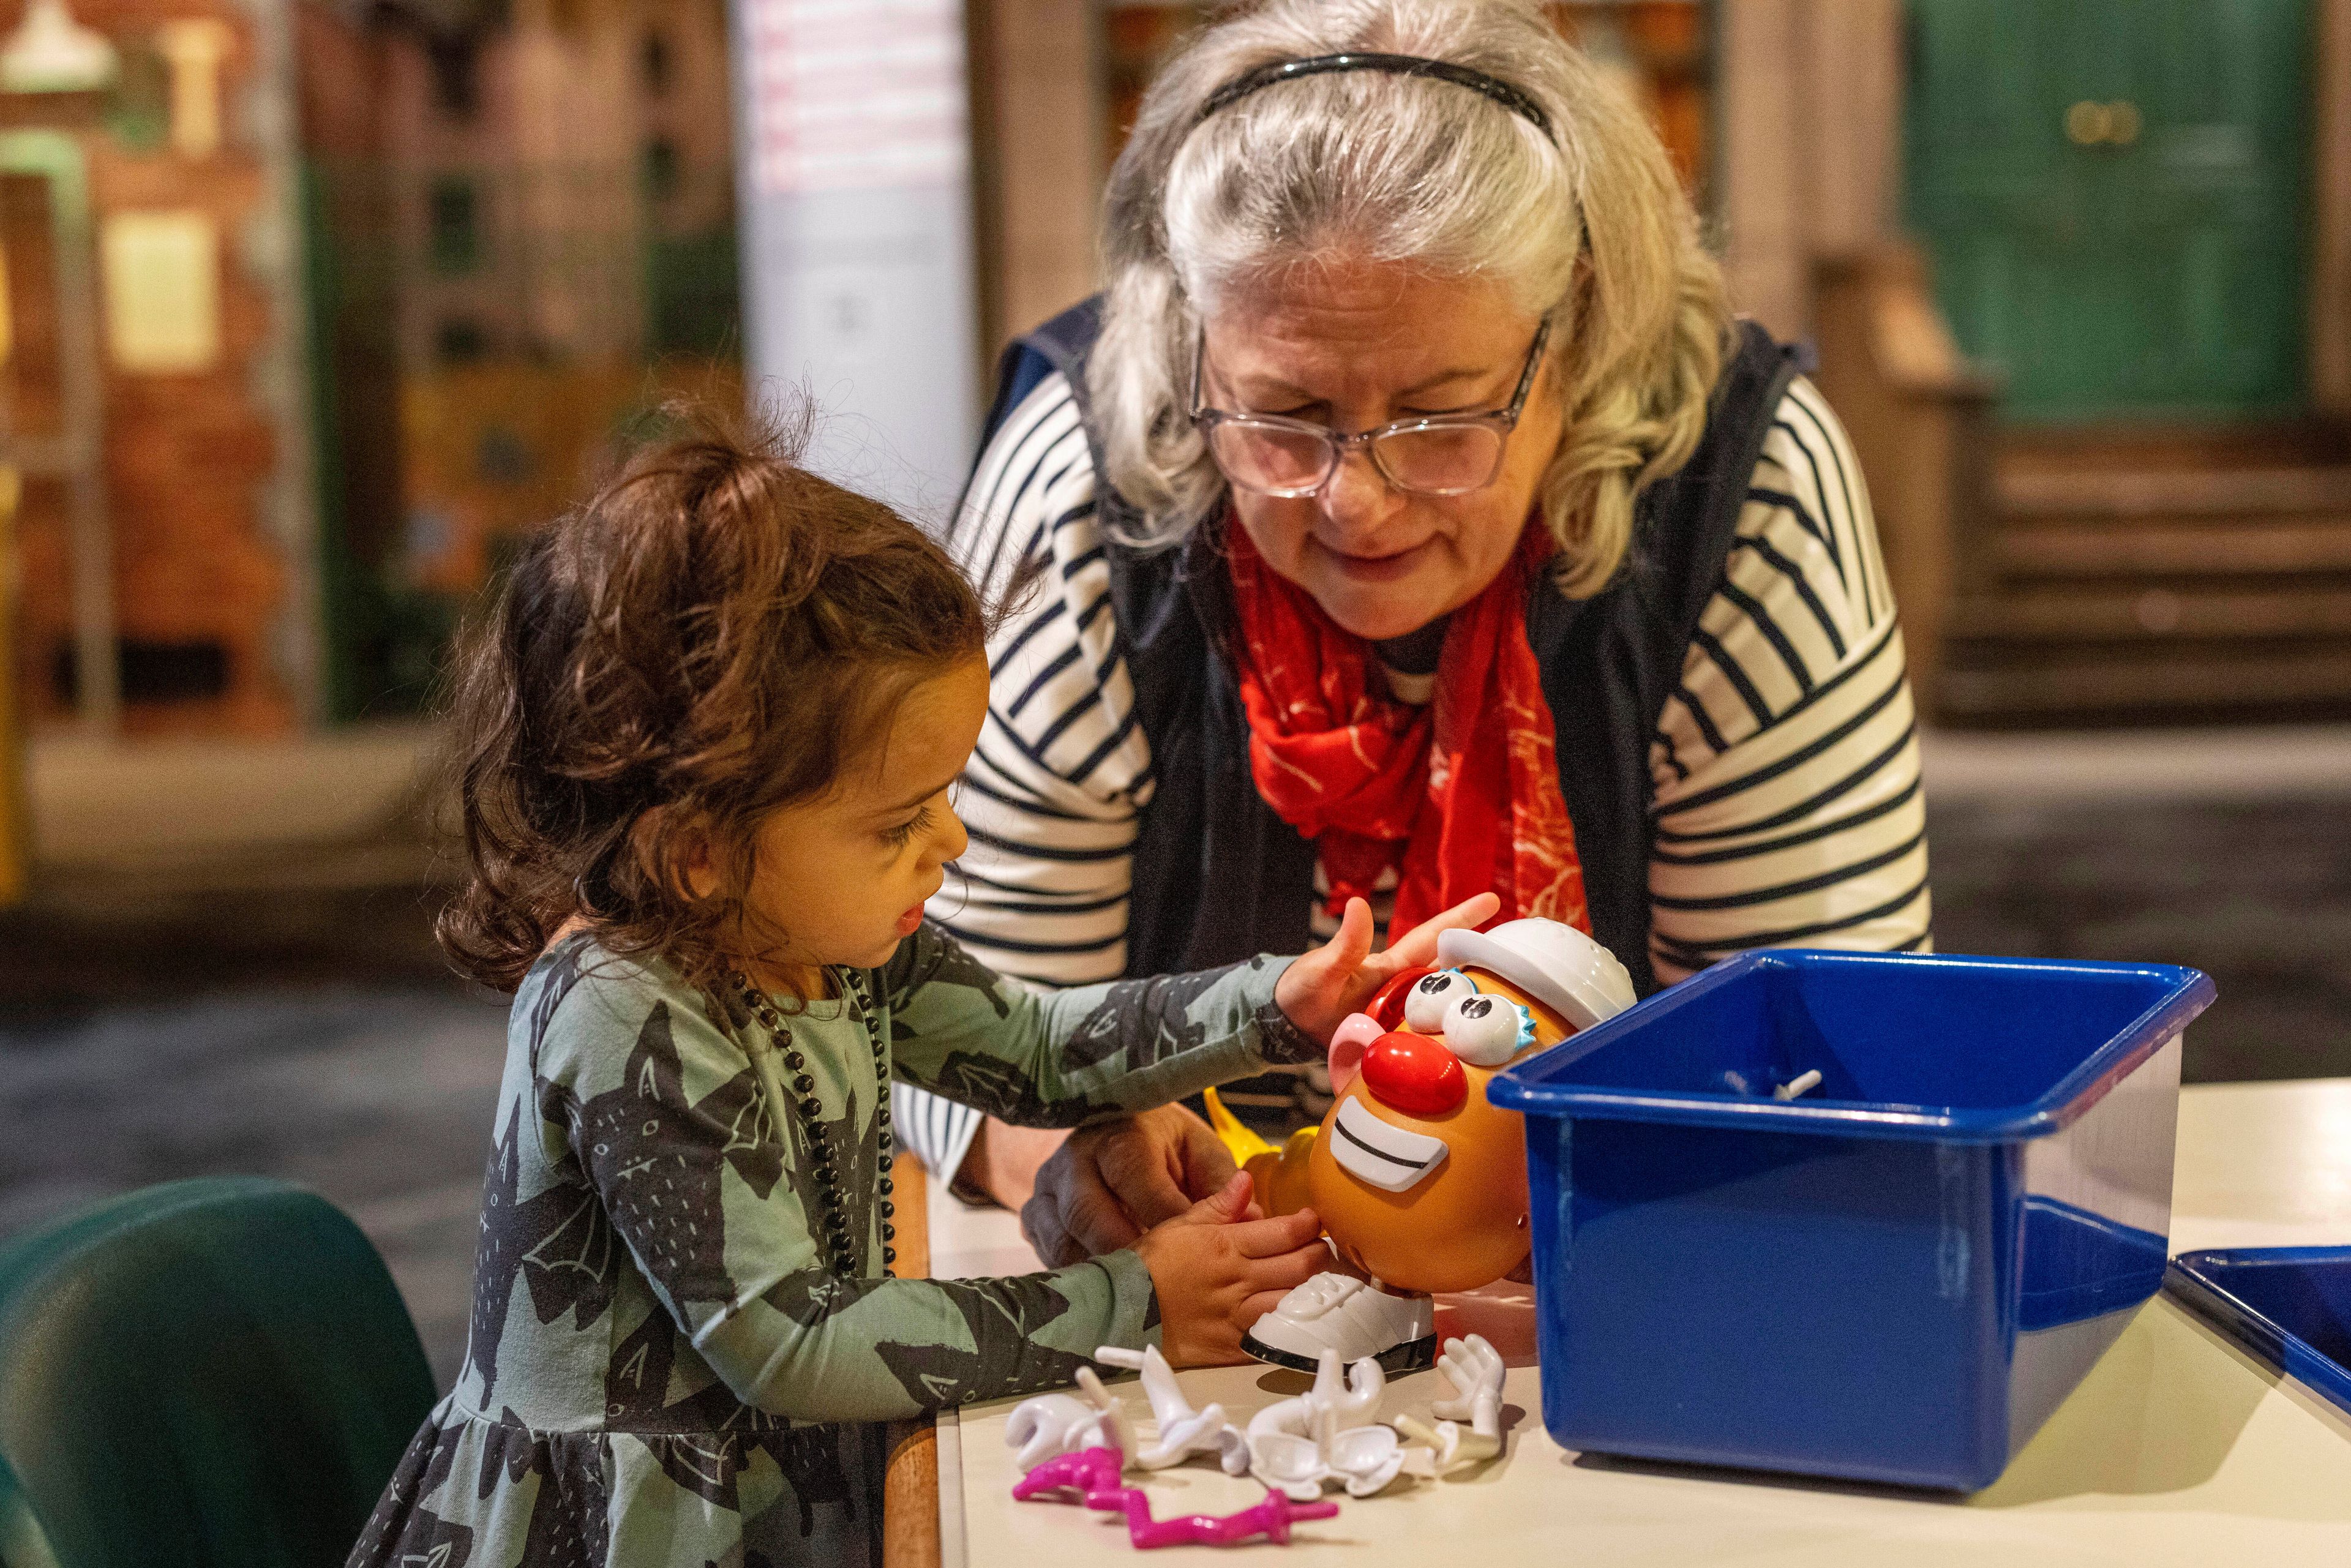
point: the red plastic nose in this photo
(1414, 1073)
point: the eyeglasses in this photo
(1438, 455)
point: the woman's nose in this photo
(1414, 1073)
(1357, 494)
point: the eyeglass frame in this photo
(1502, 421)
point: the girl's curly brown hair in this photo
(717, 634)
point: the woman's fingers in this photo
(1418, 946)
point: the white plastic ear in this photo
(1486, 1030)
(1424, 1004)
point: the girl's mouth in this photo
(911, 921)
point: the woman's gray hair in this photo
(1591, 229)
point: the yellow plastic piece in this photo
(1242, 1143)
(1278, 1175)
(1280, 1179)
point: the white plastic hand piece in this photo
(1473, 1370)
(1050, 1425)
(1183, 1431)
(1326, 1435)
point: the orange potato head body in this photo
(1420, 1181)
(1461, 1222)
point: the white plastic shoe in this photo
(1340, 1312)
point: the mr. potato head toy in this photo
(1420, 1182)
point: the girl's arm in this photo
(703, 1179)
(1057, 1058)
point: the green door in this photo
(2114, 194)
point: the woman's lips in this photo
(1388, 568)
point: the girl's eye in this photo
(903, 833)
(1487, 1031)
(1423, 1009)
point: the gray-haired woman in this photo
(1414, 519)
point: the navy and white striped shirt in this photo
(1785, 764)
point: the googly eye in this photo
(1487, 1031)
(1423, 1010)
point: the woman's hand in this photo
(1216, 1271)
(1112, 1181)
(1339, 978)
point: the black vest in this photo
(1218, 876)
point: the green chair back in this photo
(205, 1373)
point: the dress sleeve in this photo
(1052, 792)
(1786, 763)
(693, 1174)
(1055, 1059)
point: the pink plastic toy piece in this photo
(1090, 1472)
(1271, 1519)
(1094, 1475)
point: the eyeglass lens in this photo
(1442, 460)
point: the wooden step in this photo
(2174, 681)
(2126, 495)
(2234, 547)
(2147, 577)
(2147, 614)
(2203, 446)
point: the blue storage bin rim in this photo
(2199, 1281)
(2187, 993)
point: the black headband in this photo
(1478, 81)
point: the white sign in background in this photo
(853, 158)
(857, 94)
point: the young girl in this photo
(707, 735)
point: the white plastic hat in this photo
(1550, 961)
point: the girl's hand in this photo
(1339, 978)
(1217, 1273)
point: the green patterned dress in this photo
(661, 1369)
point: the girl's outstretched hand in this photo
(1339, 978)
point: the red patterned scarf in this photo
(1459, 795)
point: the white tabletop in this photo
(2178, 1449)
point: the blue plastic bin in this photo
(1896, 1277)
(2289, 1306)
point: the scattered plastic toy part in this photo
(1183, 1431)
(1053, 1423)
(1048, 1425)
(1325, 1435)
(1801, 1083)
(1089, 1472)
(1271, 1519)
(1473, 1371)
(1092, 1474)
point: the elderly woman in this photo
(1413, 519)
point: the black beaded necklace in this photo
(835, 1219)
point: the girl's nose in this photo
(1414, 1073)
(955, 841)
